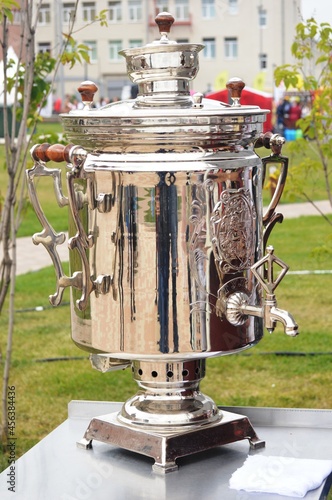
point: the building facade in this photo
(244, 38)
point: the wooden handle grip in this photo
(264, 140)
(56, 152)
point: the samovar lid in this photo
(164, 117)
(163, 69)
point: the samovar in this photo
(169, 263)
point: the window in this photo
(161, 6)
(231, 48)
(68, 11)
(114, 11)
(135, 10)
(89, 11)
(208, 9)
(17, 16)
(181, 10)
(135, 43)
(44, 16)
(114, 47)
(92, 44)
(233, 6)
(44, 47)
(262, 17)
(210, 48)
(263, 61)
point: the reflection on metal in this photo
(166, 237)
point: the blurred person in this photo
(67, 104)
(57, 106)
(282, 113)
(295, 114)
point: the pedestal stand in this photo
(169, 418)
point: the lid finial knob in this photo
(164, 20)
(87, 90)
(235, 86)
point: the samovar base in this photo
(166, 447)
(169, 417)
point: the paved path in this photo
(32, 257)
(293, 210)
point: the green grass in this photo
(258, 377)
(301, 377)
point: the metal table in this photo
(56, 469)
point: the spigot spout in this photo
(274, 314)
(238, 309)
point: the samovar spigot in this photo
(274, 314)
(238, 306)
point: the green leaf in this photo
(85, 56)
(7, 8)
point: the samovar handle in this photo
(271, 141)
(275, 143)
(48, 237)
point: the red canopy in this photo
(249, 97)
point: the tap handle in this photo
(264, 271)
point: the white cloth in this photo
(288, 476)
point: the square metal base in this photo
(166, 447)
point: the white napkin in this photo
(288, 476)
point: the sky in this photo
(321, 10)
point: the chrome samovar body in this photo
(167, 241)
(177, 236)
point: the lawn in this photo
(48, 370)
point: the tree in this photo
(312, 72)
(29, 81)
